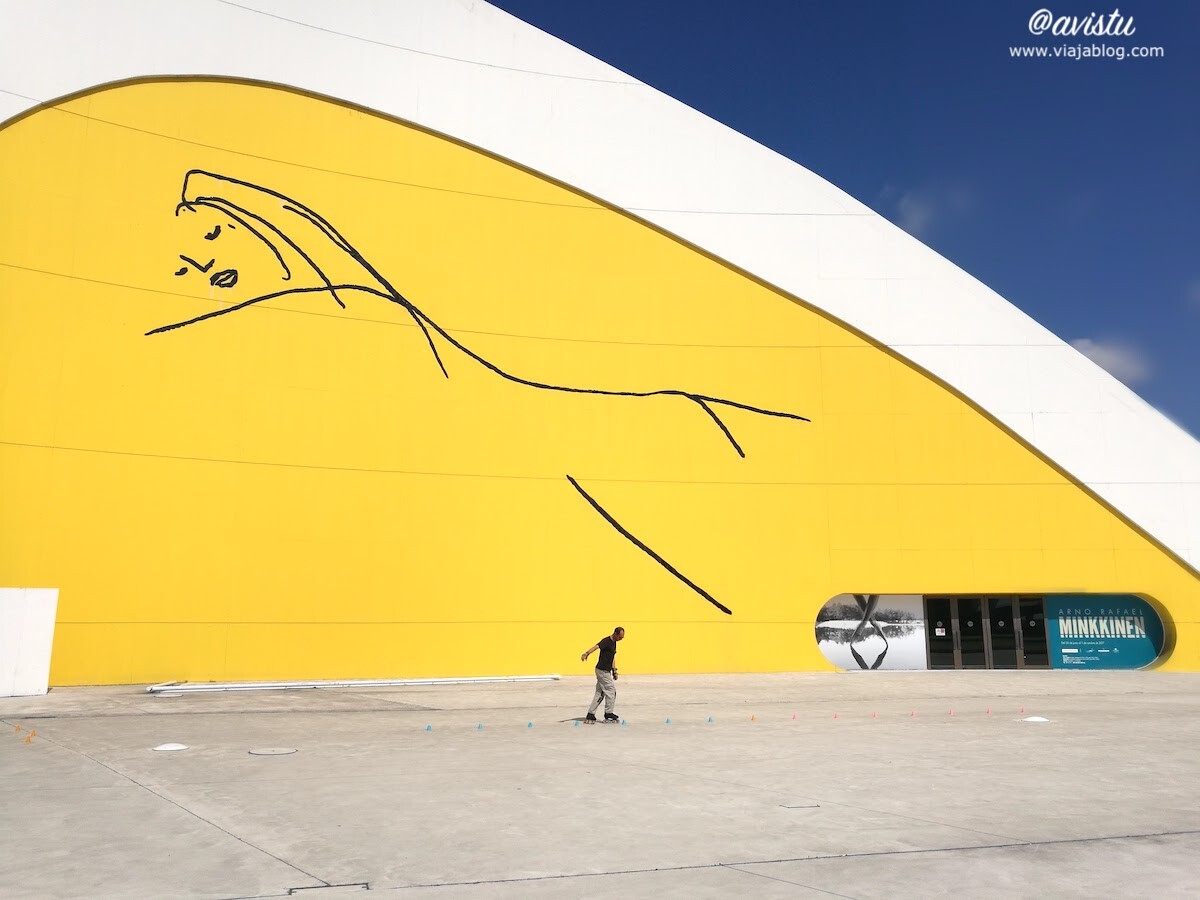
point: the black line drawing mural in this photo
(286, 226)
(861, 623)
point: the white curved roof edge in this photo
(469, 70)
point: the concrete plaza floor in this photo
(802, 785)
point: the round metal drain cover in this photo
(170, 747)
(272, 751)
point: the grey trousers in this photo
(606, 690)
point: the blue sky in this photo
(1069, 186)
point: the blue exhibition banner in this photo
(1102, 631)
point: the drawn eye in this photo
(182, 271)
(212, 235)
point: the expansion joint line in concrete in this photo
(735, 868)
(803, 859)
(1005, 846)
(184, 809)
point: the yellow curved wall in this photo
(295, 490)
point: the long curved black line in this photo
(329, 289)
(330, 232)
(645, 549)
(701, 400)
(425, 323)
(432, 346)
(729, 434)
(253, 300)
(671, 392)
(336, 237)
(397, 297)
(288, 202)
(423, 320)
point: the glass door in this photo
(1001, 632)
(1035, 653)
(940, 633)
(972, 644)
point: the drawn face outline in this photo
(223, 277)
(265, 231)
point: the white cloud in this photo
(919, 210)
(1121, 359)
(1192, 294)
(915, 212)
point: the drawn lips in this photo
(226, 278)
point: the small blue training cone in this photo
(668, 721)
(530, 725)
(576, 723)
(429, 728)
(710, 720)
(479, 727)
(623, 722)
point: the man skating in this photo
(606, 676)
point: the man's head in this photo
(618, 633)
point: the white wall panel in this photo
(1005, 373)
(852, 247)
(1128, 450)
(1021, 423)
(1066, 381)
(584, 123)
(1189, 545)
(927, 311)
(26, 635)
(1078, 433)
(1166, 502)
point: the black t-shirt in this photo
(608, 649)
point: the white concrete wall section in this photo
(26, 635)
(471, 71)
